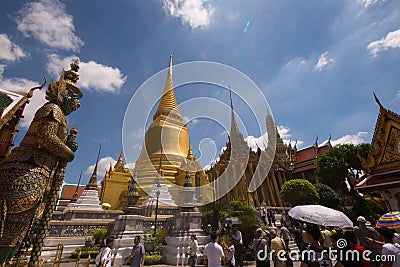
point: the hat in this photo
(361, 219)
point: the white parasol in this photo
(320, 215)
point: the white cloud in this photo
(138, 133)
(37, 100)
(92, 75)
(102, 167)
(323, 61)
(196, 13)
(48, 21)
(286, 136)
(22, 85)
(9, 50)
(254, 142)
(354, 139)
(391, 40)
(367, 3)
(130, 165)
(396, 97)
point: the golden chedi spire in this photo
(168, 105)
(92, 185)
(190, 155)
(119, 166)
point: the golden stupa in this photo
(166, 149)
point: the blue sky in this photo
(316, 62)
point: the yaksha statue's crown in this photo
(71, 78)
(66, 86)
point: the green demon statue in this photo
(27, 173)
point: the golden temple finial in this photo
(119, 166)
(168, 105)
(190, 155)
(170, 65)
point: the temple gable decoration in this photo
(384, 154)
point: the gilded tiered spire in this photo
(168, 104)
(236, 137)
(75, 196)
(119, 166)
(190, 155)
(92, 185)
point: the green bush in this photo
(85, 252)
(299, 192)
(153, 259)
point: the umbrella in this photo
(390, 220)
(231, 220)
(320, 215)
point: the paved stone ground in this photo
(247, 264)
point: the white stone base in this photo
(125, 229)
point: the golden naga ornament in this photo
(32, 167)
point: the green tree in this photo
(236, 208)
(367, 208)
(299, 192)
(327, 196)
(339, 164)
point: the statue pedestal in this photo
(124, 232)
(187, 222)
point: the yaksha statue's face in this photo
(70, 104)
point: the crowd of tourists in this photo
(361, 246)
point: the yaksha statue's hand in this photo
(72, 144)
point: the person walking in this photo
(285, 235)
(362, 233)
(261, 252)
(278, 248)
(194, 246)
(345, 256)
(390, 250)
(105, 255)
(298, 237)
(269, 217)
(272, 215)
(238, 242)
(263, 215)
(352, 240)
(313, 253)
(138, 253)
(229, 253)
(213, 252)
